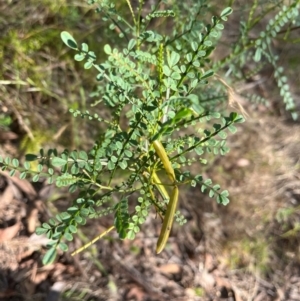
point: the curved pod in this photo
(161, 152)
(168, 221)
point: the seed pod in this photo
(168, 221)
(161, 152)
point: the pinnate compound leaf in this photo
(65, 180)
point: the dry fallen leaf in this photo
(6, 196)
(32, 220)
(23, 185)
(170, 268)
(9, 135)
(136, 293)
(9, 233)
(242, 162)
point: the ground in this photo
(248, 250)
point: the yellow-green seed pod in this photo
(161, 152)
(168, 221)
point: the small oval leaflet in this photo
(50, 256)
(68, 40)
(57, 162)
